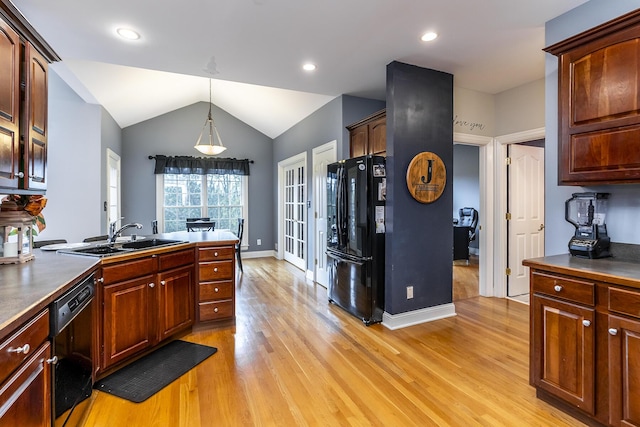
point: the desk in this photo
(200, 225)
(461, 243)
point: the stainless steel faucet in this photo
(114, 234)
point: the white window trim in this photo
(245, 208)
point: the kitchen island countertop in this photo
(27, 288)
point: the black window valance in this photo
(200, 165)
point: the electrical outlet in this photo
(259, 242)
(409, 292)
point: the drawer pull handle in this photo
(215, 269)
(24, 349)
(613, 331)
(162, 282)
(586, 323)
(215, 254)
(52, 361)
(216, 290)
(152, 285)
(215, 310)
(557, 288)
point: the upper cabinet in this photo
(369, 136)
(599, 104)
(24, 59)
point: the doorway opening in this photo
(322, 156)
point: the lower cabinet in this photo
(216, 283)
(563, 361)
(25, 375)
(145, 301)
(585, 345)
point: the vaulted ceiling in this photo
(254, 50)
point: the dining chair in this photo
(41, 243)
(200, 224)
(239, 244)
(96, 238)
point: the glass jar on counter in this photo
(16, 237)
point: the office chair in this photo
(239, 244)
(469, 218)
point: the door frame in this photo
(281, 167)
(486, 222)
(501, 237)
(331, 146)
(113, 159)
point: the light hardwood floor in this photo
(293, 359)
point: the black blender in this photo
(587, 213)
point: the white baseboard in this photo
(259, 254)
(415, 317)
(310, 275)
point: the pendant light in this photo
(210, 149)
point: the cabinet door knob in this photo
(151, 285)
(215, 269)
(215, 290)
(613, 331)
(20, 174)
(162, 282)
(215, 254)
(52, 361)
(100, 280)
(586, 323)
(557, 288)
(24, 349)
(215, 310)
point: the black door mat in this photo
(145, 377)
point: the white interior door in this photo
(526, 206)
(322, 156)
(113, 187)
(294, 214)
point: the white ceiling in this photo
(254, 50)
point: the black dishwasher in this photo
(72, 343)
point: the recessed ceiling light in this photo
(128, 34)
(309, 66)
(427, 37)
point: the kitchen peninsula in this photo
(168, 280)
(585, 336)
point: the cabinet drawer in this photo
(216, 270)
(215, 310)
(32, 334)
(561, 287)
(129, 270)
(216, 290)
(624, 301)
(215, 254)
(176, 259)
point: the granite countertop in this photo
(620, 271)
(27, 288)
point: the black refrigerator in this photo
(356, 191)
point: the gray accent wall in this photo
(419, 236)
(326, 124)
(176, 133)
(624, 202)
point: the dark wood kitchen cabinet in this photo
(145, 301)
(585, 341)
(24, 59)
(216, 283)
(598, 104)
(369, 135)
(25, 375)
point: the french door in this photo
(294, 217)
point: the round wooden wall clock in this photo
(426, 177)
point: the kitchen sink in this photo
(99, 251)
(103, 250)
(148, 244)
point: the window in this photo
(223, 198)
